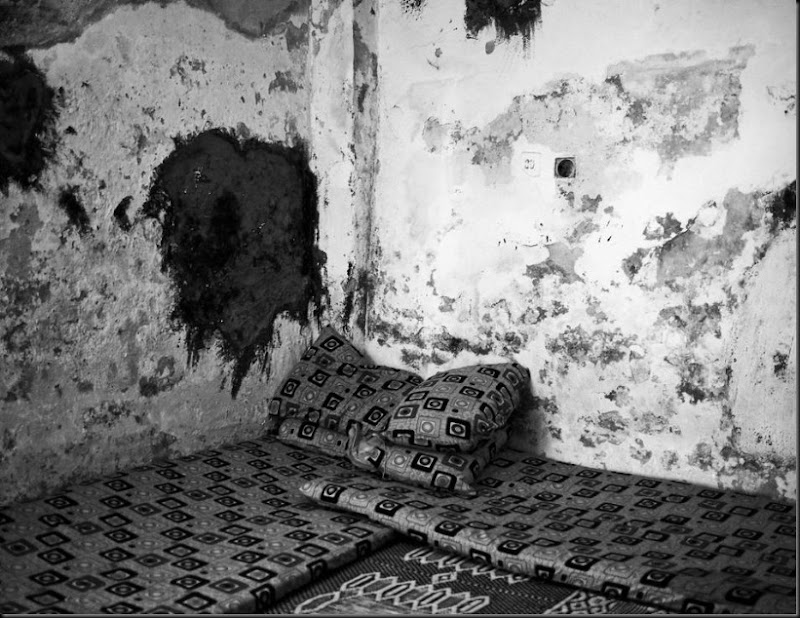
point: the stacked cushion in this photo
(331, 388)
(424, 467)
(440, 432)
(455, 410)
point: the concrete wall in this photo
(653, 294)
(94, 371)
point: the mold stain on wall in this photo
(678, 105)
(48, 22)
(239, 241)
(27, 119)
(94, 374)
(509, 17)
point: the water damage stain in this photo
(283, 82)
(600, 347)
(692, 251)
(42, 24)
(69, 202)
(239, 236)
(121, 214)
(413, 7)
(779, 364)
(164, 379)
(783, 207)
(27, 120)
(510, 18)
(699, 383)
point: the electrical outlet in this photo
(565, 167)
(532, 163)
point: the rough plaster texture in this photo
(94, 376)
(653, 295)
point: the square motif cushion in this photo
(332, 386)
(424, 467)
(311, 437)
(458, 408)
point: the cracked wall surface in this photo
(95, 374)
(652, 295)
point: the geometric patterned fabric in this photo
(406, 577)
(310, 437)
(332, 386)
(669, 544)
(219, 531)
(420, 466)
(454, 410)
(333, 403)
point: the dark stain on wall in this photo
(446, 342)
(27, 120)
(239, 240)
(358, 283)
(600, 347)
(701, 97)
(510, 17)
(362, 94)
(698, 383)
(17, 246)
(22, 387)
(666, 227)
(779, 362)
(350, 287)
(632, 264)
(546, 405)
(783, 207)
(46, 22)
(690, 252)
(590, 204)
(70, 203)
(694, 320)
(121, 213)
(106, 414)
(691, 387)
(284, 82)
(164, 379)
(412, 7)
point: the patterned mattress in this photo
(219, 531)
(666, 544)
(260, 526)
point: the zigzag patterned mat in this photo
(411, 578)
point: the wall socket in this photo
(532, 163)
(565, 167)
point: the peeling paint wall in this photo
(652, 295)
(95, 374)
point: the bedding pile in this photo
(440, 432)
(426, 453)
(364, 457)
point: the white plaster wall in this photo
(480, 260)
